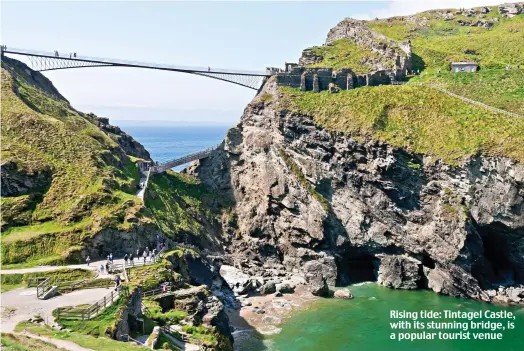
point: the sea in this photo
(362, 323)
(168, 142)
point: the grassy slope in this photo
(419, 119)
(12, 342)
(441, 42)
(87, 341)
(180, 205)
(12, 281)
(90, 185)
(345, 53)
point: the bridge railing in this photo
(184, 159)
(110, 61)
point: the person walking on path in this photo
(125, 259)
(101, 269)
(144, 255)
(117, 282)
(111, 257)
(132, 259)
(88, 259)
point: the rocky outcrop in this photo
(305, 197)
(17, 181)
(399, 272)
(389, 50)
(511, 10)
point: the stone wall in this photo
(319, 79)
(128, 317)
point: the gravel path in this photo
(65, 344)
(21, 304)
(92, 266)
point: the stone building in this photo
(319, 79)
(464, 66)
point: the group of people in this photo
(71, 54)
(4, 47)
(129, 259)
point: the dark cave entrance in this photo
(356, 268)
(501, 263)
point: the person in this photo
(101, 269)
(107, 267)
(88, 259)
(70, 55)
(144, 255)
(125, 259)
(111, 257)
(137, 255)
(132, 259)
(147, 250)
(117, 282)
(153, 253)
(208, 68)
(74, 55)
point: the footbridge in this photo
(162, 167)
(48, 61)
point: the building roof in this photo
(463, 63)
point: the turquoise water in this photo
(363, 323)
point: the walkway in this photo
(93, 267)
(184, 159)
(65, 344)
(26, 305)
(47, 61)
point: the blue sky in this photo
(241, 35)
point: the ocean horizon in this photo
(171, 141)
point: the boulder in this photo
(285, 288)
(320, 274)
(268, 288)
(343, 294)
(399, 272)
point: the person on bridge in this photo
(208, 68)
(88, 259)
(74, 54)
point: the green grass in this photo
(416, 118)
(201, 333)
(163, 318)
(344, 53)
(443, 41)
(14, 342)
(11, 281)
(495, 87)
(84, 182)
(97, 326)
(87, 341)
(180, 205)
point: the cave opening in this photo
(356, 268)
(500, 264)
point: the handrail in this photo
(119, 62)
(184, 159)
(43, 287)
(94, 309)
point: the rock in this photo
(456, 282)
(278, 294)
(319, 274)
(399, 272)
(511, 10)
(484, 10)
(343, 294)
(238, 281)
(268, 288)
(260, 311)
(285, 288)
(516, 294)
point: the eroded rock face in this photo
(399, 272)
(305, 197)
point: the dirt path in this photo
(93, 266)
(21, 304)
(68, 345)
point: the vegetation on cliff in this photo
(63, 178)
(417, 118)
(16, 342)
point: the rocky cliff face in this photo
(320, 206)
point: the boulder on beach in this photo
(343, 294)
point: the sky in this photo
(227, 34)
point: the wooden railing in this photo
(94, 309)
(158, 291)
